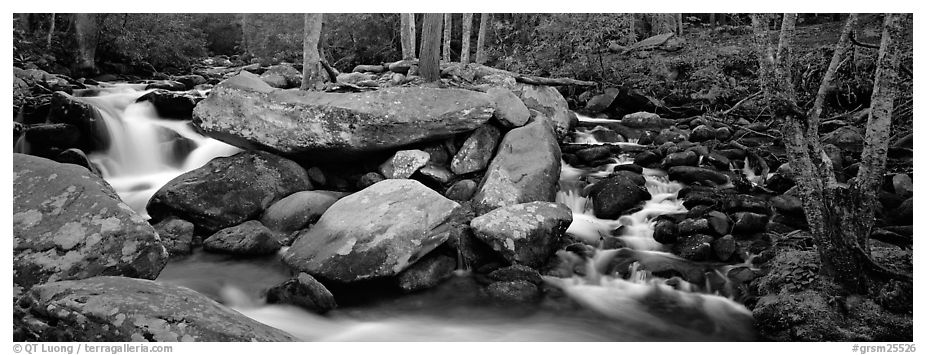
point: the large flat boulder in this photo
(68, 224)
(228, 191)
(526, 233)
(246, 112)
(120, 309)
(376, 232)
(526, 168)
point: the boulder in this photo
(282, 76)
(298, 210)
(303, 291)
(170, 104)
(120, 309)
(77, 157)
(476, 151)
(592, 154)
(696, 247)
(369, 179)
(461, 190)
(602, 102)
(749, 222)
(615, 195)
(846, 138)
(525, 233)
(514, 291)
(69, 224)
(724, 247)
(404, 163)
(177, 235)
(646, 120)
(70, 110)
(903, 185)
(691, 226)
(517, 273)
(702, 133)
(228, 191)
(525, 169)
(247, 239)
(686, 158)
(436, 174)
(510, 111)
(427, 272)
(665, 231)
(246, 112)
(376, 232)
(697, 175)
(549, 103)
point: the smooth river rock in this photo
(376, 232)
(120, 309)
(298, 210)
(246, 112)
(526, 168)
(228, 191)
(68, 224)
(526, 233)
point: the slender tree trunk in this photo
(51, 30)
(783, 56)
(408, 36)
(244, 33)
(678, 23)
(429, 58)
(87, 35)
(467, 33)
(827, 84)
(311, 64)
(767, 78)
(448, 34)
(841, 217)
(712, 20)
(481, 39)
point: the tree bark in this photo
(448, 34)
(51, 30)
(783, 56)
(767, 77)
(827, 83)
(481, 40)
(841, 217)
(429, 58)
(678, 23)
(467, 33)
(87, 36)
(244, 33)
(311, 63)
(408, 35)
(712, 19)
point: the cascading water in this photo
(146, 151)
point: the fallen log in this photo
(536, 80)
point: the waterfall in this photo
(146, 151)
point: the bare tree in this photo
(467, 33)
(678, 23)
(841, 216)
(408, 35)
(51, 30)
(448, 29)
(312, 70)
(244, 33)
(783, 56)
(429, 58)
(481, 39)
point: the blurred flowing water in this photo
(148, 151)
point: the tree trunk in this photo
(244, 33)
(311, 63)
(783, 57)
(678, 22)
(429, 58)
(767, 77)
(448, 34)
(712, 19)
(408, 36)
(841, 217)
(87, 36)
(481, 40)
(467, 33)
(51, 30)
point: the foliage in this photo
(572, 45)
(169, 42)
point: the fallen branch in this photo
(536, 80)
(737, 105)
(333, 74)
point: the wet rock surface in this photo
(121, 309)
(69, 224)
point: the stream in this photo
(147, 151)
